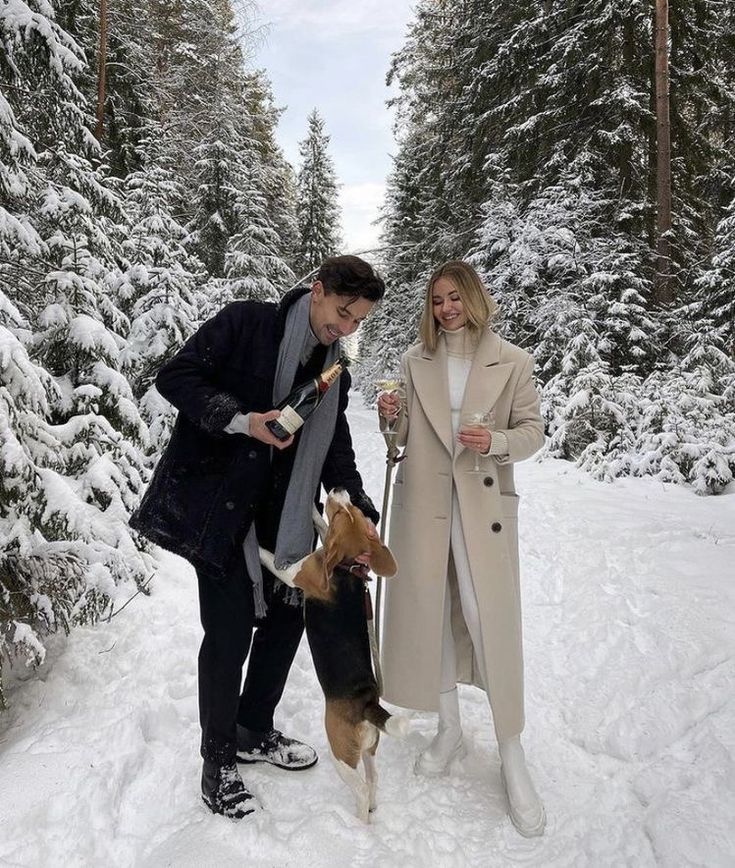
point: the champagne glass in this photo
(477, 420)
(390, 385)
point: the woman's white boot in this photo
(447, 744)
(525, 807)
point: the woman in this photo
(453, 612)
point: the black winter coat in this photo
(209, 485)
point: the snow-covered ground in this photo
(629, 602)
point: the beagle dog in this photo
(335, 616)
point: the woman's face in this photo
(447, 305)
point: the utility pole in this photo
(663, 288)
(101, 72)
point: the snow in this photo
(628, 617)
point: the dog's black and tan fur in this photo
(337, 632)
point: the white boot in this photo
(446, 745)
(525, 807)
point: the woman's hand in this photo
(389, 405)
(476, 439)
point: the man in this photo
(225, 485)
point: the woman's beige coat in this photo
(500, 379)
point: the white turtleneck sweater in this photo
(460, 353)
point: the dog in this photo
(335, 616)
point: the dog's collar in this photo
(361, 571)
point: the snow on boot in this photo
(525, 807)
(224, 793)
(275, 748)
(447, 744)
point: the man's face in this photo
(335, 316)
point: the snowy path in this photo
(629, 601)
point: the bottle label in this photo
(290, 420)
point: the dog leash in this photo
(374, 650)
(362, 572)
(393, 456)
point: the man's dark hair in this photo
(350, 275)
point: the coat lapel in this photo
(487, 377)
(429, 376)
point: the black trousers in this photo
(227, 613)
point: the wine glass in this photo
(477, 420)
(390, 385)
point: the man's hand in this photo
(260, 432)
(372, 532)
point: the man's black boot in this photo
(273, 747)
(224, 792)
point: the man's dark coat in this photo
(209, 485)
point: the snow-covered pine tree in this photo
(79, 327)
(78, 338)
(593, 415)
(686, 428)
(416, 233)
(277, 179)
(387, 334)
(318, 207)
(130, 99)
(214, 78)
(62, 555)
(199, 92)
(68, 435)
(215, 217)
(160, 290)
(254, 268)
(716, 287)
(563, 252)
(40, 580)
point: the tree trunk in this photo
(664, 293)
(101, 72)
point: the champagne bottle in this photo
(303, 400)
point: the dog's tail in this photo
(393, 724)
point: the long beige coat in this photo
(500, 379)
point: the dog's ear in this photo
(334, 549)
(382, 562)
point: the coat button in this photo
(252, 454)
(488, 481)
(230, 504)
(496, 527)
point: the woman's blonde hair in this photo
(478, 304)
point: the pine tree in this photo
(130, 100)
(687, 417)
(717, 285)
(160, 292)
(72, 468)
(277, 180)
(526, 144)
(27, 560)
(216, 214)
(254, 268)
(255, 264)
(318, 209)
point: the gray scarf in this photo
(296, 530)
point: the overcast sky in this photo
(333, 55)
